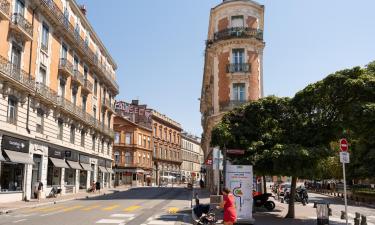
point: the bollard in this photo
(357, 219)
(282, 200)
(343, 217)
(363, 220)
(315, 203)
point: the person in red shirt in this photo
(228, 204)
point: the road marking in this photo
(17, 221)
(112, 207)
(173, 210)
(110, 221)
(52, 209)
(132, 208)
(90, 208)
(160, 222)
(168, 217)
(123, 215)
(72, 208)
(37, 209)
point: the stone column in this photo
(62, 180)
(77, 181)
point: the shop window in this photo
(11, 177)
(70, 176)
(12, 110)
(53, 175)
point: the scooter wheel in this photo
(270, 205)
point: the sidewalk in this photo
(12, 206)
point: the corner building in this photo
(167, 157)
(57, 87)
(233, 67)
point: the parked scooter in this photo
(262, 201)
(300, 196)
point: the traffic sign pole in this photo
(345, 198)
(344, 158)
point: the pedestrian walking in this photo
(40, 189)
(93, 186)
(228, 204)
(97, 186)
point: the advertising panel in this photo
(239, 179)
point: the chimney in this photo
(83, 9)
(135, 102)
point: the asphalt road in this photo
(138, 206)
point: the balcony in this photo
(237, 32)
(16, 75)
(22, 27)
(46, 93)
(238, 68)
(108, 105)
(229, 105)
(78, 77)
(66, 29)
(66, 67)
(4, 10)
(87, 86)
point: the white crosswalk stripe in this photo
(118, 219)
(110, 221)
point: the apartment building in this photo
(233, 67)
(192, 157)
(167, 157)
(132, 153)
(57, 84)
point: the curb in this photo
(349, 201)
(10, 210)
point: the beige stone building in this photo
(191, 158)
(57, 87)
(233, 67)
(167, 149)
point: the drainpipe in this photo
(30, 58)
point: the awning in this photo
(59, 163)
(19, 157)
(86, 166)
(110, 170)
(74, 165)
(102, 169)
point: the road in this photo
(337, 205)
(137, 206)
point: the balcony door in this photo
(238, 59)
(237, 21)
(239, 92)
(19, 7)
(16, 59)
(41, 78)
(64, 52)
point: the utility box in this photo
(322, 213)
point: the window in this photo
(61, 89)
(45, 34)
(39, 121)
(239, 92)
(139, 158)
(170, 137)
(149, 142)
(60, 126)
(72, 134)
(70, 176)
(128, 158)
(93, 142)
(108, 148)
(94, 111)
(75, 63)
(160, 132)
(174, 138)
(155, 129)
(95, 87)
(144, 159)
(83, 135)
(165, 134)
(64, 51)
(16, 58)
(103, 146)
(85, 71)
(41, 79)
(238, 58)
(12, 110)
(117, 157)
(103, 118)
(128, 138)
(144, 142)
(117, 138)
(161, 153)
(139, 140)
(237, 21)
(11, 177)
(154, 153)
(20, 7)
(109, 120)
(74, 95)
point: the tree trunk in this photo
(291, 213)
(264, 184)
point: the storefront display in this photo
(11, 177)
(56, 162)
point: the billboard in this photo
(239, 179)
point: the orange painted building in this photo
(58, 84)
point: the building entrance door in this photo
(35, 176)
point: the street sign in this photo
(344, 157)
(236, 151)
(344, 146)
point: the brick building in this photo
(233, 67)
(57, 87)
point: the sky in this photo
(159, 47)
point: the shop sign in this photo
(56, 153)
(108, 163)
(71, 155)
(15, 144)
(101, 162)
(84, 159)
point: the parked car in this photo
(283, 187)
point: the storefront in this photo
(56, 168)
(84, 174)
(108, 166)
(13, 158)
(102, 173)
(72, 174)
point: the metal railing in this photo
(15, 73)
(229, 105)
(238, 67)
(44, 47)
(19, 20)
(78, 76)
(88, 85)
(5, 7)
(46, 92)
(66, 65)
(82, 46)
(237, 32)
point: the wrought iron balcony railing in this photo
(238, 67)
(78, 76)
(15, 73)
(4, 9)
(20, 21)
(46, 92)
(66, 28)
(88, 85)
(237, 32)
(229, 105)
(66, 66)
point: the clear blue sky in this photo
(159, 45)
